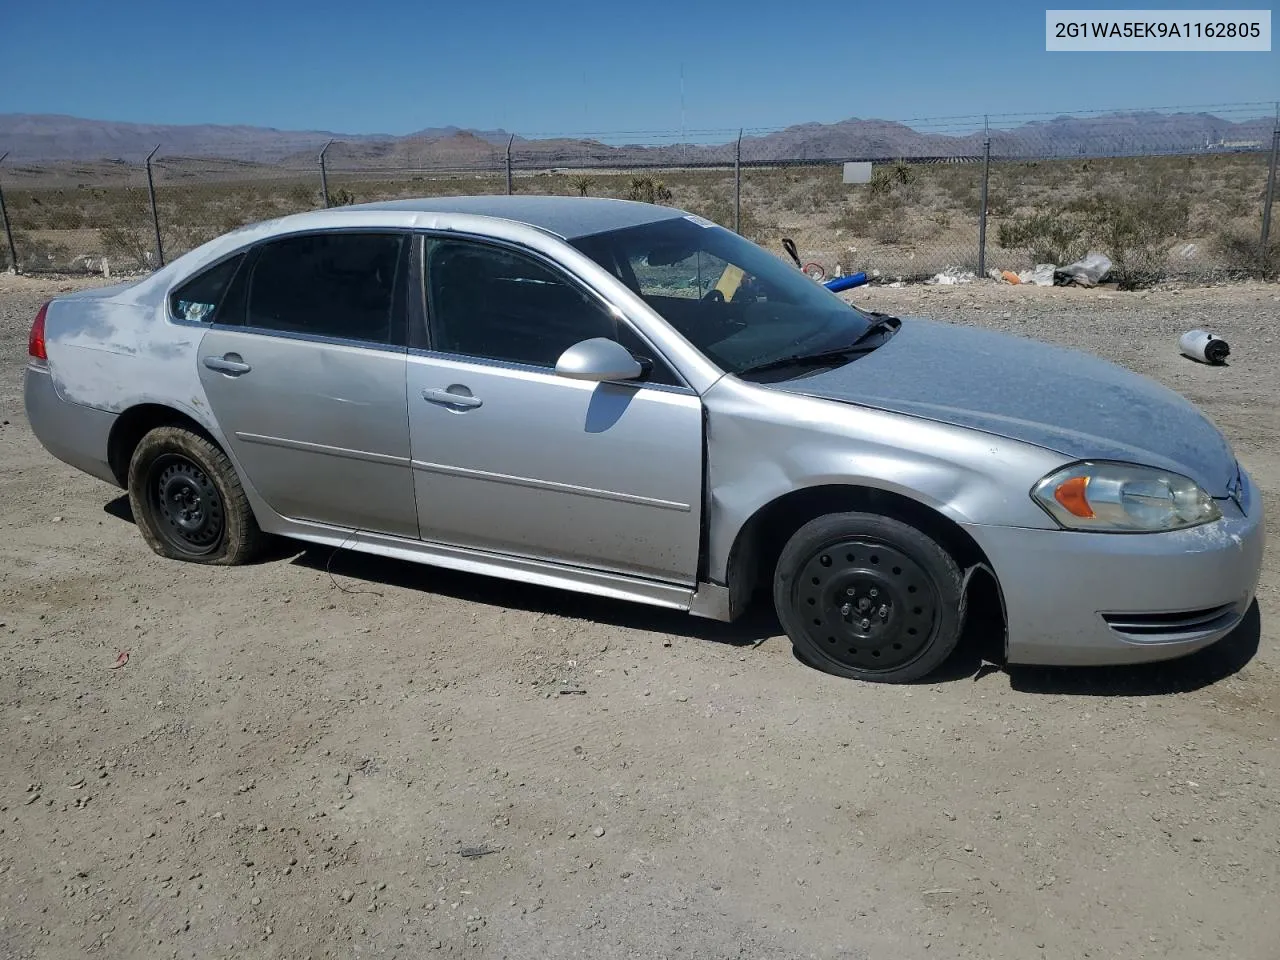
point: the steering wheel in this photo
(714, 295)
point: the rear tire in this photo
(188, 502)
(869, 598)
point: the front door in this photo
(511, 458)
(310, 388)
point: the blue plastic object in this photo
(836, 284)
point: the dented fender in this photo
(764, 444)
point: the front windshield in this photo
(736, 302)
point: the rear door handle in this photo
(229, 364)
(446, 398)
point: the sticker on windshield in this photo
(694, 218)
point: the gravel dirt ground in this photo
(331, 755)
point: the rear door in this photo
(510, 457)
(305, 374)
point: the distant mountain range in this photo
(45, 138)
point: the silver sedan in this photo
(628, 400)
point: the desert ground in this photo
(329, 755)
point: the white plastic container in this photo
(1204, 346)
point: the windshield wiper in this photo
(801, 359)
(881, 323)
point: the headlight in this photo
(1124, 498)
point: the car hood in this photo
(1063, 400)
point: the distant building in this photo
(1235, 146)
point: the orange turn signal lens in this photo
(1071, 494)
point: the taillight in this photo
(35, 342)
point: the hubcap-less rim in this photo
(186, 505)
(866, 604)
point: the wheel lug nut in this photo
(866, 624)
(845, 610)
(849, 592)
(875, 592)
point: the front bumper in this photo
(1080, 599)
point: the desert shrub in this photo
(1134, 227)
(341, 197)
(130, 243)
(35, 254)
(1245, 254)
(881, 183)
(880, 217)
(810, 192)
(581, 184)
(65, 218)
(303, 196)
(648, 190)
(1051, 236)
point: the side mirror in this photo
(598, 359)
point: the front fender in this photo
(764, 444)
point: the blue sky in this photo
(548, 66)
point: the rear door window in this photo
(340, 285)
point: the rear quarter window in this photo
(198, 300)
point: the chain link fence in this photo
(956, 196)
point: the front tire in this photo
(188, 502)
(869, 598)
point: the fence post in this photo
(8, 231)
(509, 143)
(155, 214)
(1271, 190)
(982, 206)
(324, 176)
(737, 184)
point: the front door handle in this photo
(448, 398)
(229, 364)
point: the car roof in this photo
(567, 217)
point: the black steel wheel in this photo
(869, 597)
(187, 500)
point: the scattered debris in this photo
(1008, 276)
(481, 851)
(1204, 346)
(836, 284)
(951, 276)
(1041, 276)
(566, 691)
(598, 831)
(1088, 271)
(121, 659)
